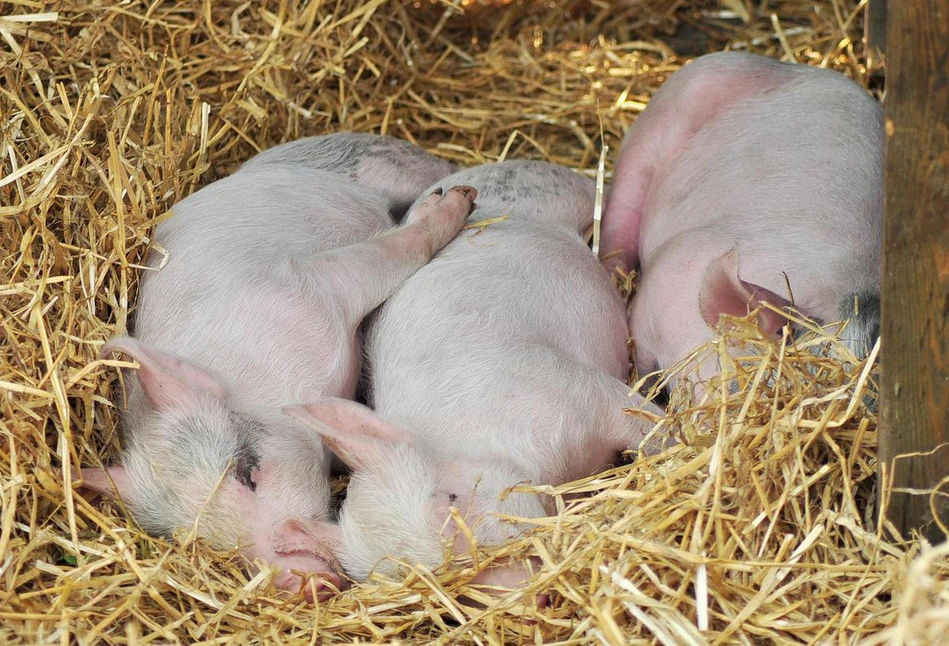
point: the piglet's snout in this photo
(508, 575)
(324, 584)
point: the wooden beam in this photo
(915, 292)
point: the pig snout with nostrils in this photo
(503, 361)
(269, 273)
(745, 177)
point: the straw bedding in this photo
(759, 527)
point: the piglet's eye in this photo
(246, 470)
(452, 498)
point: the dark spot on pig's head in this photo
(245, 469)
(452, 499)
(531, 190)
(247, 458)
(249, 431)
(506, 181)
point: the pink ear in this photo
(106, 482)
(350, 430)
(723, 292)
(166, 379)
(303, 535)
(355, 419)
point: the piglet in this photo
(269, 273)
(503, 361)
(747, 181)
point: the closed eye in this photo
(246, 458)
(246, 469)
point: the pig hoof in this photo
(467, 192)
(437, 191)
(443, 216)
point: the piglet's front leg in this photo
(364, 275)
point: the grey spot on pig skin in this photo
(529, 190)
(249, 431)
(862, 331)
(341, 154)
(349, 154)
(505, 186)
(247, 459)
(863, 310)
(244, 465)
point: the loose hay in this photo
(758, 528)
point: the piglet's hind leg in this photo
(364, 275)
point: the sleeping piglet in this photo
(269, 273)
(745, 177)
(503, 361)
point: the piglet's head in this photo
(193, 463)
(408, 503)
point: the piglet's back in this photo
(471, 326)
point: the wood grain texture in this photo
(915, 299)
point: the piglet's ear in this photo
(723, 292)
(351, 431)
(166, 379)
(107, 482)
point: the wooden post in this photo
(915, 293)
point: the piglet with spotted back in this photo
(503, 361)
(748, 181)
(269, 274)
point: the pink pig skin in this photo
(502, 361)
(744, 175)
(269, 273)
